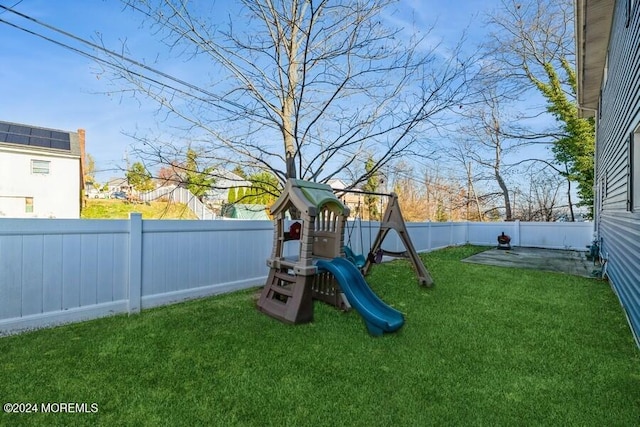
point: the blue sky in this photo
(46, 85)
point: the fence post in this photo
(516, 233)
(135, 262)
(466, 233)
(450, 233)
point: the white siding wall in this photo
(55, 195)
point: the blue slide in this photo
(378, 316)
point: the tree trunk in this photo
(505, 194)
(569, 201)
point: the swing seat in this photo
(357, 260)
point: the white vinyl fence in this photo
(55, 271)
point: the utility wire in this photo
(99, 60)
(14, 5)
(116, 55)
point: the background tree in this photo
(240, 195)
(197, 179)
(300, 87)
(168, 175)
(240, 172)
(265, 187)
(139, 177)
(487, 139)
(411, 195)
(373, 182)
(90, 170)
(231, 195)
(545, 189)
(540, 200)
(532, 47)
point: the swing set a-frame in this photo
(391, 220)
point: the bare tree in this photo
(541, 201)
(536, 166)
(487, 138)
(301, 88)
(527, 38)
(532, 48)
(444, 197)
(460, 152)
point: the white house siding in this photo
(54, 195)
(618, 115)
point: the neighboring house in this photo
(41, 173)
(119, 184)
(245, 211)
(224, 180)
(215, 198)
(608, 73)
(354, 202)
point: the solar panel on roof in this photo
(45, 133)
(36, 137)
(59, 135)
(60, 145)
(18, 139)
(20, 130)
(40, 142)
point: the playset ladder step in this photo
(281, 290)
(286, 277)
(291, 303)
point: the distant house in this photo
(353, 201)
(217, 196)
(245, 211)
(41, 173)
(608, 73)
(118, 184)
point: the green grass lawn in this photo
(485, 346)
(119, 209)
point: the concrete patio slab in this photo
(562, 261)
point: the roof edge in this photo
(593, 23)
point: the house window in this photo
(634, 166)
(40, 167)
(28, 204)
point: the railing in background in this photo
(55, 271)
(177, 194)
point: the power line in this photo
(14, 5)
(116, 55)
(98, 59)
